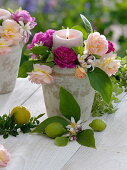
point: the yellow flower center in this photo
(1, 156)
(73, 125)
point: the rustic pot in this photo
(80, 88)
(9, 65)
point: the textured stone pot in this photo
(9, 65)
(80, 88)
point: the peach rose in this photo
(4, 156)
(11, 30)
(4, 14)
(5, 46)
(108, 64)
(96, 44)
(80, 73)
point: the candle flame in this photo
(67, 33)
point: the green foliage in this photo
(50, 58)
(1, 21)
(40, 50)
(87, 25)
(100, 81)
(100, 107)
(45, 123)
(9, 127)
(121, 76)
(86, 138)
(78, 50)
(55, 129)
(68, 105)
(119, 84)
(80, 28)
(25, 68)
(61, 141)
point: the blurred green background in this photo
(109, 17)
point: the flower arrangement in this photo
(96, 59)
(14, 28)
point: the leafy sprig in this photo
(9, 127)
(119, 83)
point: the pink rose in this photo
(4, 156)
(96, 44)
(10, 29)
(65, 57)
(41, 74)
(4, 14)
(45, 39)
(109, 64)
(25, 17)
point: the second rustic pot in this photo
(9, 65)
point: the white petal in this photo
(68, 126)
(79, 122)
(72, 120)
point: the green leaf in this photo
(25, 129)
(68, 105)
(78, 50)
(61, 141)
(50, 58)
(25, 68)
(88, 25)
(20, 9)
(39, 116)
(101, 82)
(41, 127)
(40, 50)
(97, 56)
(10, 10)
(86, 138)
(1, 21)
(50, 64)
(27, 52)
(80, 28)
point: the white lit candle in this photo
(67, 38)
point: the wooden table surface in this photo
(36, 152)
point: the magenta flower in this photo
(45, 39)
(25, 17)
(110, 47)
(65, 57)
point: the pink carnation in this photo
(45, 39)
(25, 17)
(110, 47)
(4, 156)
(65, 57)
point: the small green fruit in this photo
(21, 114)
(98, 125)
(54, 130)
